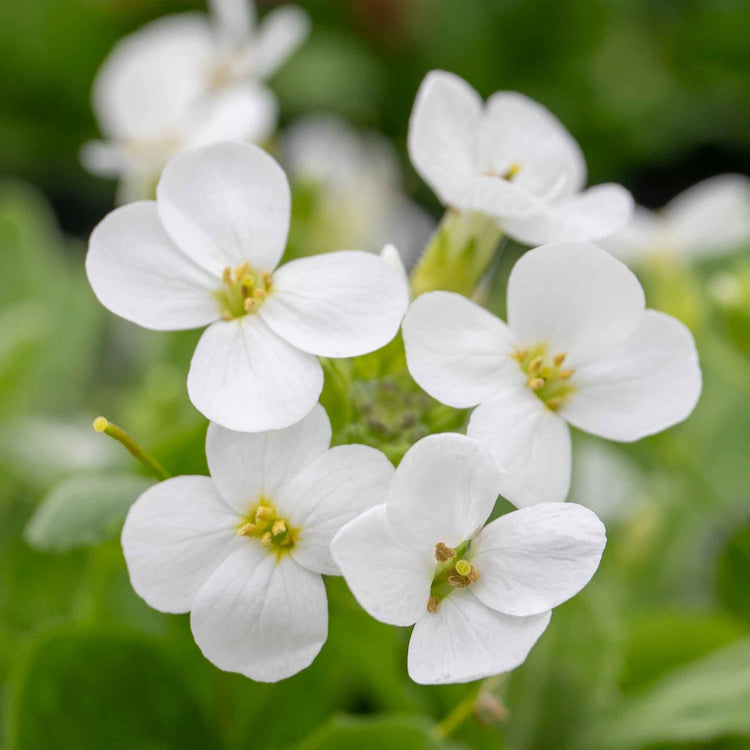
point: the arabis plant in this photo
(579, 347)
(206, 253)
(511, 159)
(709, 219)
(478, 596)
(243, 550)
(184, 81)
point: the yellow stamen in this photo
(536, 383)
(264, 513)
(558, 359)
(535, 365)
(565, 374)
(226, 315)
(247, 529)
(554, 403)
(266, 540)
(260, 295)
(443, 553)
(249, 304)
(278, 528)
(241, 270)
(267, 280)
(432, 604)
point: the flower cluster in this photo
(244, 550)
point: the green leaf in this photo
(76, 689)
(345, 732)
(706, 700)
(83, 510)
(733, 573)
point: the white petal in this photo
(529, 441)
(336, 305)
(241, 113)
(225, 204)
(465, 641)
(391, 582)
(650, 382)
(233, 19)
(261, 615)
(533, 559)
(457, 351)
(138, 273)
(328, 493)
(151, 76)
(593, 214)
(246, 378)
(280, 33)
(712, 216)
(246, 465)
(176, 535)
(643, 234)
(392, 257)
(443, 133)
(519, 131)
(575, 297)
(443, 491)
(103, 158)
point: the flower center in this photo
(241, 292)
(450, 575)
(508, 174)
(263, 522)
(546, 375)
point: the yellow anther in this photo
(241, 270)
(432, 604)
(554, 403)
(249, 304)
(248, 281)
(267, 280)
(226, 315)
(278, 528)
(463, 567)
(512, 171)
(443, 553)
(473, 575)
(263, 514)
(558, 359)
(535, 365)
(247, 529)
(266, 540)
(260, 295)
(565, 374)
(226, 275)
(536, 383)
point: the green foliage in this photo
(83, 510)
(78, 689)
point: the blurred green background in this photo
(655, 653)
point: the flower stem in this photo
(102, 424)
(456, 717)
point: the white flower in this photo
(511, 159)
(185, 81)
(708, 219)
(243, 551)
(579, 347)
(357, 189)
(478, 598)
(205, 253)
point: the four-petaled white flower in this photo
(185, 81)
(708, 219)
(511, 159)
(478, 598)
(243, 550)
(354, 180)
(579, 347)
(206, 251)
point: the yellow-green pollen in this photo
(509, 173)
(264, 524)
(453, 571)
(546, 375)
(242, 291)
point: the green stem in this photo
(457, 716)
(102, 424)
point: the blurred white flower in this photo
(205, 253)
(511, 159)
(579, 347)
(708, 219)
(355, 182)
(479, 598)
(243, 551)
(183, 81)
